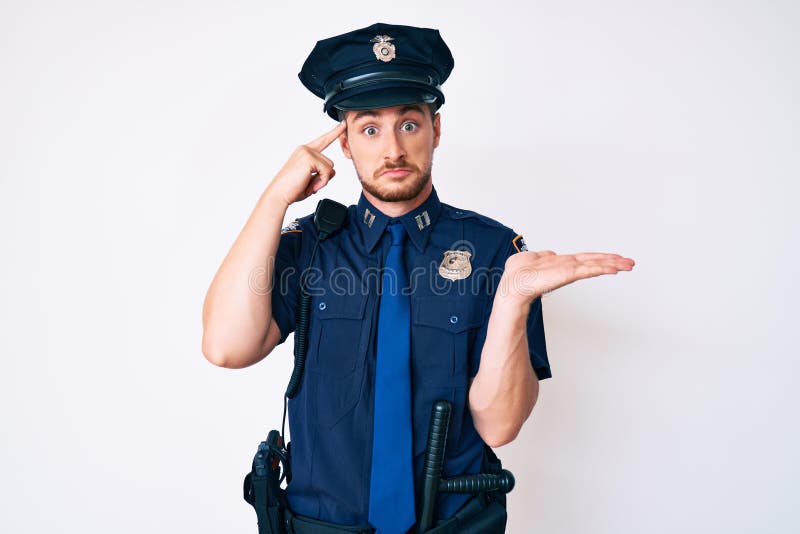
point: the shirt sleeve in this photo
(537, 348)
(286, 281)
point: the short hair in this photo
(432, 106)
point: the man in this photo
(413, 300)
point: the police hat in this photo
(378, 66)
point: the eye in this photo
(370, 131)
(409, 126)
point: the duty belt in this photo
(477, 516)
(485, 513)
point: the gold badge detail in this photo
(455, 265)
(384, 50)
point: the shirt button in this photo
(454, 319)
(322, 305)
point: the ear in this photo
(437, 129)
(344, 142)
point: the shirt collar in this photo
(418, 222)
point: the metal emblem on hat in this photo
(384, 50)
(455, 265)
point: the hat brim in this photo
(376, 97)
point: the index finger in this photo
(322, 142)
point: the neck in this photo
(399, 208)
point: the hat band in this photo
(380, 77)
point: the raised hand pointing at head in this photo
(308, 170)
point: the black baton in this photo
(503, 481)
(434, 460)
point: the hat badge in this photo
(383, 48)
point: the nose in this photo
(393, 150)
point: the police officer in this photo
(413, 300)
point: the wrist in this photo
(275, 199)
(511, 300)
(514, 290)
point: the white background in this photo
(136, 137)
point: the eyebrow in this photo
(373, 113)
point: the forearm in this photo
(237, 310)
(505, 389)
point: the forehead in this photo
(381, 113)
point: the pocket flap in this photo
(454, 314)
(333, 306)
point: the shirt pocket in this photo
(340, 341)
(444, 326)
(337, 352)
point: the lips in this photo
(396, 173)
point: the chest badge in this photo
(455, 265)
(383, 48)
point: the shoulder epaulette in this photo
(458, 213)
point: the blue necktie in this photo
(391, 495)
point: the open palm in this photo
(532, 274)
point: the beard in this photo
(408, 189)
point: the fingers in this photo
(590, 268)
(312, 187)
(616, 260)
(315, 163)
(585, 256)
(320, 157)
(623, 263)
(322, 142)
(319, 179)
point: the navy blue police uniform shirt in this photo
(330, 419)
